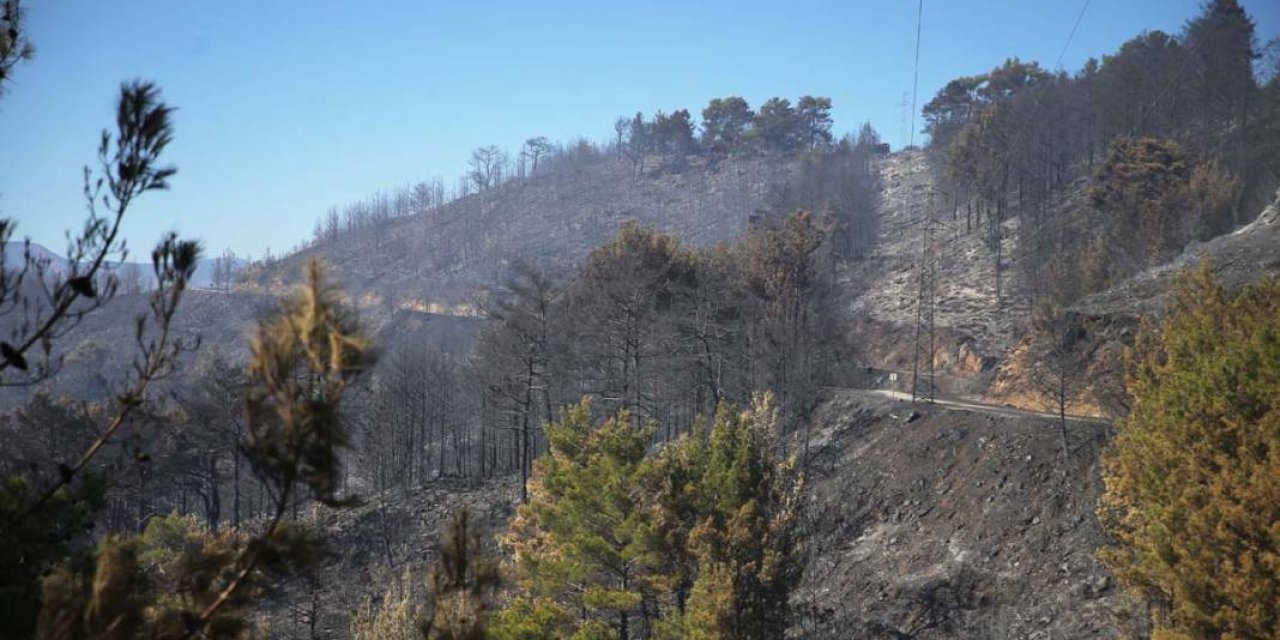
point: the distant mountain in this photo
(14, 254)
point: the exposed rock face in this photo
(969, 361)
(1108, 321)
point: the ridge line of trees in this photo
(729, 127)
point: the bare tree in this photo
(535, 148)
(487, 167)
(132, 280)
(514, 357)
(1056, 367)
(621, 127)
(224, 270)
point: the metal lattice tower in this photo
(926, 302)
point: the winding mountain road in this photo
(970, 405)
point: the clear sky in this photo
(286, 108)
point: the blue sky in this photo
(286, 108)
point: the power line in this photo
(931, 250)
(915, 76)
(1080, 17)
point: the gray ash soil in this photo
(923, 522)
(934, 523)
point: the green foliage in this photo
(584, 541)
(673, 134)
(951, 108)
(31, 545)
(526, 618)
(962, 99)
(1010, 79)
(775, 125)
(1193, 477)
(45, 517)
(151, 585)
(462, 588)
(746, 544)
(724, 124)
(729, 126)
(696, 541)
(176, 580)
(813, 122)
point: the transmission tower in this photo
(926, 302)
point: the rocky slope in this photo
(1106, 323)
(979, 312)
(937, 523)
(1240, 257)
(922, 522)
(926, 522)
(885, 286)
(981, 341)
(388, 537)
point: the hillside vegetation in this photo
(654, 388)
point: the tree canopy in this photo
(1193, 477)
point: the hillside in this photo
(436, 264)
(923, 522)
(652, 331)
(882, 292)
(980, 344)
(101, 348)
(1107, 322)
(448, 255)
(938, 523)
(421, 275)
(1236, 259)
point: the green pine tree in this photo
(747, 545)
(584, 545)
(1193, 477)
